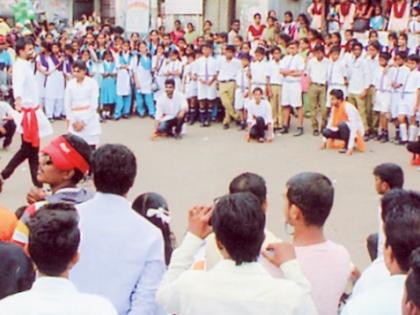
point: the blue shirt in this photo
(5, 59)
(121, 255)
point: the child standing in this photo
(190, 88)
(108, 95)
(243, 85)
(123, 82)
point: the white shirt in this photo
(228, 69)
(169, 108)
(412, 82)
(142, 75)
(317, 70)
(259, 72)
(121, 255)
(229, 289)
(263, 109)
(336, 73)
(53, 296)
(373, 68)
(295, 62)
(206, 68)
(399, 75)
(273, 72)
(384, 299)
(242, 80)
(383, 80)
(123, 75)
(81, 104)
(6, 111)
(375, 273)
(24, 83)
(358, 75)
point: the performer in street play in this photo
(31, 121)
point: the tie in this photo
(382, 81)
(206, 75)
(331, 73)
(405, 85)
(243, 81)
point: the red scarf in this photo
(30, 126)
(399, 13)
(345, 8)
(317, 10)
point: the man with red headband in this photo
(31, 122)
(62, 165)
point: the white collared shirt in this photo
(228, 69)
(53, 295)
(229, 289)
(273, 72)
(259, 72)
(399, 76)
(206, 68)
(24, 83)
(412, 82)
(383, 80)
(263, 109)
(373, 68)
(358, 75)
(169, 108)
(317, 70)
(384, 299)
(336, 73)
(121, 255)
(375, 273)
(296, 63)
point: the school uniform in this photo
(292, 88)
(170, 67)
(259, 118)
(243, 85)
(206, 69)
(336, 75)
(159, 77)
(81, 102)
(259, 74)
(383, 90)
(123, 85)
(54, 89)
(226, 79)
(142, 71)
(398, 75)
(7, 122)
(373, 68)
(189, 84)
(359, 82)
(318, 73)
(408, 104)
(108, 93)
(276, 82)
(41, 63)
(167, 111)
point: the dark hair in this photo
(390, 173)
(401, 214)
(385, 55)
(401, 54)
(21, 43)
(338, 94)
(260, 50)
(413, 57)
(54, 238)
(257, 89)
(80, 64)
(275, 48)
(83, 148)
(357, 44)
(403, 35)
(376, 45)
(313, 194)
(335, 49)
(289, 13)
(170, 82)
(151, 200)
(16, 270)
(231, 48)
(114, 169)
(349, 31)
(238, 222)
(247, 57)
(412, 283)
(249, 182)
(319, 48)
(257, 15)
(293, 42)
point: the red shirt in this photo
(256, 32)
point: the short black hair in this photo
(257, 89)
(401, 54)
(385, 55)
(238, 223)
(260, 50)
(402, 224)
(390, 173)
(319, 48)
(84, 149)
(21, 43)
(257, 14)
(114, 169)
(17, 270)
(335, 49)
(80, 64)
(313, 194)
(376, 45)
(249, 182)
(54, 238)
(275, 48)
(412, 283)
(170, 82)
(231, 48)
(337, 93)
(357, 44)
(413, 57)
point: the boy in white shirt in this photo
(243, 88)
(275, 87)
(259, 71)
(410, 101)
(336, 74)
(317, 70)
(292, 69)
(260, 118)
(372, 60)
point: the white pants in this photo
(54, 108)
(292, 94)
(382, 102)
(395, 103)
(240, 100)
(407, 107)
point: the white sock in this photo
(412, 133)
(403, 132)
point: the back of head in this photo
(16, 270)
(238, 222)
(114, 169)
(313, 194)
(390, 173)
(401, 211)
(54, 238)
(413, 279)
(249, 182)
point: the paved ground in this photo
(198, 168)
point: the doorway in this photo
(81, 7)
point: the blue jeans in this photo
(148, 99)
(123, 105)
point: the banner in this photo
(137, 16)
(184, 7)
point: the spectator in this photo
(411, 300)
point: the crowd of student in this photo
(63, 253)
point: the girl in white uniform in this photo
(242, 91)
(173, 69)
(158, 62)
(189, 88)
(41, 66)
(123, 61)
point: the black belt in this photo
(319, 84)
(276, 84)
(226, 81)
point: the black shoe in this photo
(315, 133)
(384, 139)
(226, 126)
(207, 123)
(342, 151)
(284, 130)
(116, 118)
(380, 137)
(125, 116)
(299, 132)
(366, 138)
(401, 142)
(373, 135)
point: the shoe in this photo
(207, 123)
(366, 138)
(116, 118)
(226, 126)
(284, 130)
(342, 151)
(125, 116)
(316, 133)
(299, 132)
(243, 126)
(401, 142)
(380, 137)
(385, 138)
(373, 135)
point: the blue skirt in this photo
(108, 91)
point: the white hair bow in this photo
(159, 213)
